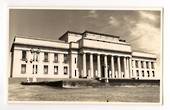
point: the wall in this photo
(74, 65)
(102, 37)
(29, 66)
(105, 45)
(44, 43)
(73, 37)
(140, 69)
(93, 46)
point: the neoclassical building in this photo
(80, 55)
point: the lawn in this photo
(18, 92)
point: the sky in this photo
(141, 28)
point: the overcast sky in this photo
(140, 28)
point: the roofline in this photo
(152, 57)
(69, 32)
(86, 31)
(155, 58)
(109, 42)
(11, 48)
(13, 42)
(139, 51)
(50, 40)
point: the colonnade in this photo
(120, 69)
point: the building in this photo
(80, 55)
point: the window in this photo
(45, 69)
(137, 72)
(153, 73)
(55, 70)
(123, 75)
(23, 68)
(148, 73)
(65, 70)
(33, 69)
(132, 64)
(65, 58)
(45, 57)
(142, 64)
(152, 65)
(75, 73)
(55, 58)
(143, 73)
(36, 69)
(24, 55)
(136, 62)
(36, 57)
(147, 65)
(75, 60)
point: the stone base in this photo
(84, 83)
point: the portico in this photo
(105, 66)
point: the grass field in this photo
(18, 92)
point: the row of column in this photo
(126, 61)
(144, 64)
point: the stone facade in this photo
(80, 55)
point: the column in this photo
(134, 69)
(144, 65)
(84, 65)
(119, 67)
(125, 67)
(130, 67)
(150, 69)
(127, 61)
(139, 68)
(91, 66)
(98, 66)
(51, 67)
(154, 65)
(112, 66)
(144, 68)
(106, 68)
(150, 65)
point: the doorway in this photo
(102, 71)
